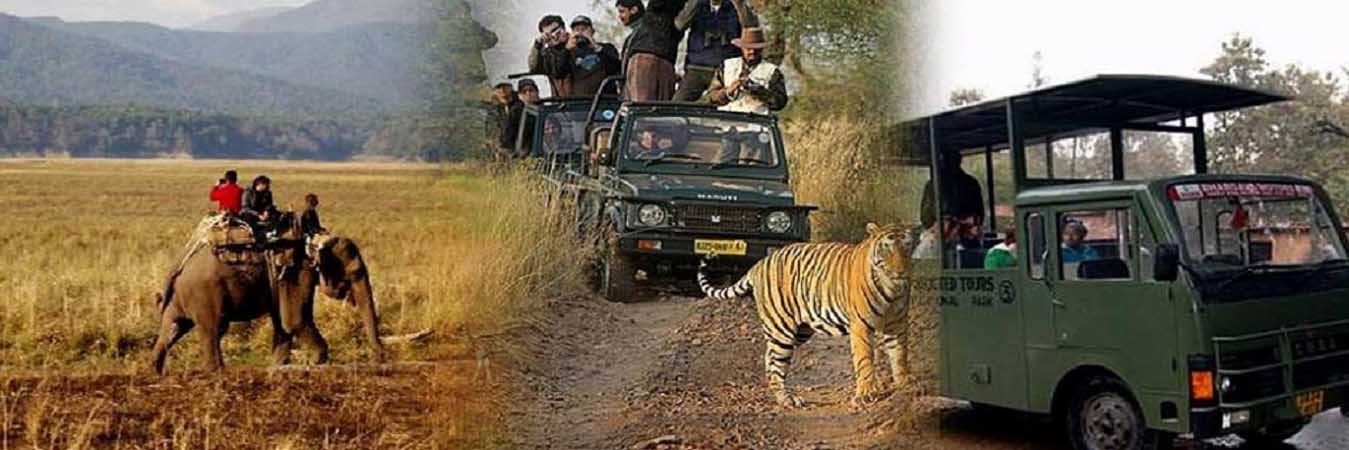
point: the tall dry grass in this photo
(86, 244)
(837, 163)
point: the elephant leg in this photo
(281, 342)
(210, 332)
(170, 331)
(310, 334)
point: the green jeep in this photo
(1144, 306)
(671, 182)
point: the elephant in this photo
(277, 280)
(344, 276)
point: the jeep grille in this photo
(718, 218)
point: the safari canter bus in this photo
(1143, 305)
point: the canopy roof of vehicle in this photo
(1103, 101)
(1105, 190)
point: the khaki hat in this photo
(750, 38)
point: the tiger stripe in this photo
(858, 290)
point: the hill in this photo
(329, 15)
(44, 66)
(232, 21)
(375, 60)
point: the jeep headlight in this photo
(651, 215)
(779, 222)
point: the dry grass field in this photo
(85, 244)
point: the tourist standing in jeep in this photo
(711, 25)
(748, 83)
(651, 47)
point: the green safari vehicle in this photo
(1144, 306)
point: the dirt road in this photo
(685, 373)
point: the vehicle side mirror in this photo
(1166, 262)
(600, 152)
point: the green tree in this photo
(1287, 137)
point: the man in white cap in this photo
(748, 83)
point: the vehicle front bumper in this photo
(1278, 377)
(680, 246)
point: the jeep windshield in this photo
(706, 144)
(1244, 237)
(563, 132)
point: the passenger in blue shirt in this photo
(1074, 250)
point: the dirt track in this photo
(614, 376)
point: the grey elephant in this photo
(214, 287)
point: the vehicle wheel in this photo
(1103, 416)
(1272, 435)
(616, 276)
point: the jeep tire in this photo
(1102, 415)
(615, 277)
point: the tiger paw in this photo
(789, 401)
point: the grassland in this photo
(85, 244)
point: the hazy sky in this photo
(172, 13)
(988, 44)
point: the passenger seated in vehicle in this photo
(1002, 255)
(652, 142)
(1074, 250)
(556, 138)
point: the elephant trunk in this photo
(363, 297)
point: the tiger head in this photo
(891, 246)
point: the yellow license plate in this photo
(1311, 403)
(707, 246)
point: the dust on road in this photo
(686, 373)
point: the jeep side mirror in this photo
(1166, 262)
(599, 147)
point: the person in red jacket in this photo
(227, 194)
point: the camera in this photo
(715, 38)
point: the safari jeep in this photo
(673, 182)
(1143, 305)
(555, 130)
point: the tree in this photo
(965, 96)
(1286, 137)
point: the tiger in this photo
(859, 290)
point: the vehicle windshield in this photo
(1247, 224)
(563, 132)
(714, 142)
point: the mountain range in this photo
(324, 80)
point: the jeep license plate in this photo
(1311, 403)
(706, 246)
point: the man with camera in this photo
(588, 62)
(651, 47)
(549, 55)
(712, 25)
(748, 83)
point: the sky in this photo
(988, 44)
(170, 13)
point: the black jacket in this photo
(961, 197)
(654, 31)
(255, 202)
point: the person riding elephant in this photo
(258, 206)
(212, 290)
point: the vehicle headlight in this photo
(779, 222)
(651, 215)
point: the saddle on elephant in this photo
(229, 238)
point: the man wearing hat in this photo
(651, 47)
(712, 25)
(588, 62)
(529, 95)
(748, 83)
(498, 114)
